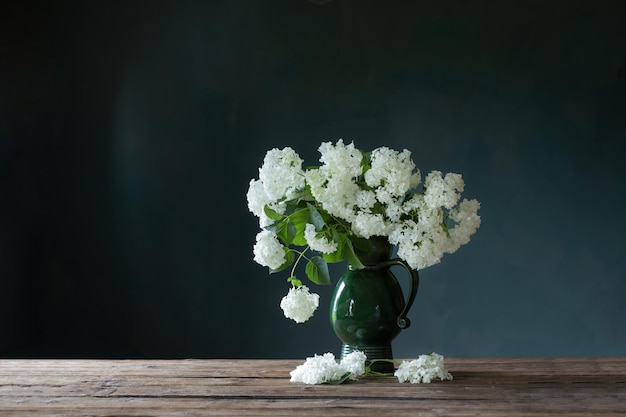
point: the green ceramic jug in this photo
(368, 309)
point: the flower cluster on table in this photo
(324, 369)
(336, 207)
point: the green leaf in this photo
(341, 380)
(298, 238)
(292, 232)
(294, 281)
(317, 271)
(333, 258)
(298, 220)
(284, 230)
(315, 218)
(338, 255)
(274, 227)
(271, 213)
(378, 208)
(350, 256)
(300, 216)
(290, 208)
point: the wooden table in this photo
(481, 387)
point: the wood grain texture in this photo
(481, 387)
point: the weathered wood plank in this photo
(306, 407)
(242, 387)
(187, 367)
(485, 387)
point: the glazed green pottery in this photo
(368, 308)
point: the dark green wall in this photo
(129, 132)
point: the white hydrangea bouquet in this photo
(321, 213)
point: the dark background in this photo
(129, 132)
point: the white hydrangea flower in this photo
(424, 369)
(324, 368)
(391, 173)
(280, 177)
(423, 243)
(368, 225)
(419, 244)
(467, 222)
(394, 211)
(443, 192)
(258, 199)
(365, 200)
(281, 174)
(268, 251)
(340, 159)
(333, 184)
(320, 244)
(337, 195)
(299, 304)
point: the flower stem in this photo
(369, 372)
(295, 264)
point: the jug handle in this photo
(403, 321)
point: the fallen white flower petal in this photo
(354, 363)
(317, 370)
(424, 369)
(321, 369)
